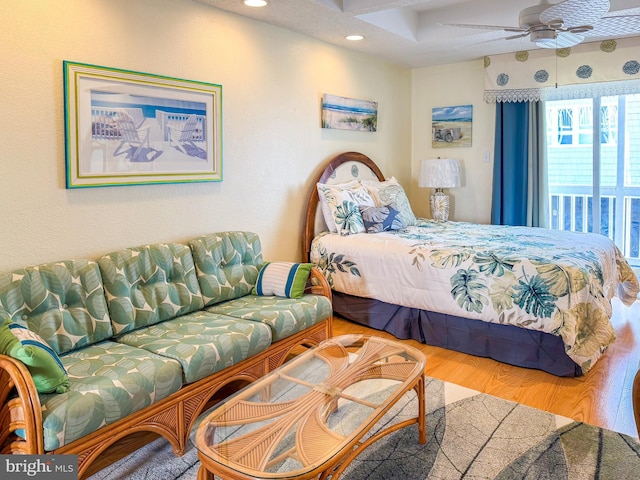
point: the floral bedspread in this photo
(554, 281)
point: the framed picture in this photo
(349, 114)
(132, 128)
(451, 126)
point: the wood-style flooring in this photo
(601, 397)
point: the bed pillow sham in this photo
(324, 204)
(381, 219)
(390, 192)
(343, 206)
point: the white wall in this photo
(449, 85)
(272, 82)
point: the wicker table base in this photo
(308, 418)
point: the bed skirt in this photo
(504, 343)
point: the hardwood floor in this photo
(602, 397)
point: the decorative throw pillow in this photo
(324, 203)
(343, 205)
(47, 371)
(390, 192)
(381, 219)
(282, 279)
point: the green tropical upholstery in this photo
(285, 316)
(131, 329)
(203, 343)
(148, 284)
(227, 264)
(107, 382)
(62, 302)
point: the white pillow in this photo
(391, 193)
(324, 204)
(343, 206)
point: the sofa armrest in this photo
(318, 284)
(21, 412)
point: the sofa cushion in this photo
(203, 343)
(107, 382)
(285, 316)
(62, 302)
(43, 363)
(227, 264)
(148, 284)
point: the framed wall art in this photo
(132, 128)
(451, 126)
(349, 114)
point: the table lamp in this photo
(439, 173)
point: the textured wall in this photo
(448, 85)
(272, 82)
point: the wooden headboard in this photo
(339, 169)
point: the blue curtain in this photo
(511, 164)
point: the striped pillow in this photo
(282, 279)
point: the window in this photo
(596, 188)
(565, 126)
(570, 122)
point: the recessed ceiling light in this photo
(255, 3)
(354, 38)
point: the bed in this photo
(530, 297)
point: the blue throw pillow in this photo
(282, 279)
(381, 219)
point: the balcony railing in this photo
(571, 208)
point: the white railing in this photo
(104, 121)
(571, 208)
(177, 121)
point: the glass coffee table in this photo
(309, 417)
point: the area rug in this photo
(470, 435)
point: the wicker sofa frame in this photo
(172, 417)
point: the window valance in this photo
(610, 67)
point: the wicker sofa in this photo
(149, 337)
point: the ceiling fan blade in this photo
(478, 39)
(562, 40)
(568, 39)
(574, 13)
(617, 25)
(520, 35)
(485, 27)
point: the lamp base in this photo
(440, 206)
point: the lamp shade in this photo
(439, 173)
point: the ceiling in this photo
(406, 32)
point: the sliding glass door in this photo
(593, 154)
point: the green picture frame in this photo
(132, 128)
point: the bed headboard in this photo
(339, 169)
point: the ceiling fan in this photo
(567, 23)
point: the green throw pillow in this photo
(47, 371)
(282, 279)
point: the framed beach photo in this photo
(349, 113)
(451, 126)
(133, 128)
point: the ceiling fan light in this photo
(546, 43)
(544, 38)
